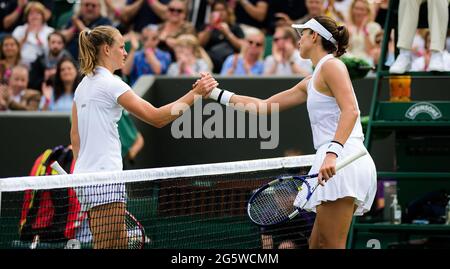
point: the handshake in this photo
(206, 86)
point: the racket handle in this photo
(350, 159)
(55, 165)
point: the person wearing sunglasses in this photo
(249, 61)
(336, 127)
(175, 25)
(88, 17)
(285, 59)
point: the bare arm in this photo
(258, 11)
(159, 8)
(160, 117)
(130, 11)
(286, 99)
(14, 16)
(337, 79)
(74, 135)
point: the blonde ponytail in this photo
(89, 44)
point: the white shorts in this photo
(91, 196)
(357, 180)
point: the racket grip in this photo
(350, 159)
(55, 165)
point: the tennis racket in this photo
(135, 230)
(273, 203)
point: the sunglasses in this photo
(175, 10)
(251, 42)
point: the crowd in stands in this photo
(39, 41)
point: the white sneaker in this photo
(436, 62)
(401, 64)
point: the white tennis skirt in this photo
(357, 180)
(91, 196)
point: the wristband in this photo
(221, 96)
(335, 147)
(19, 9)
(117, 12)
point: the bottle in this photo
(396, 211)
(447, 213)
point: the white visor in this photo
(318, 28)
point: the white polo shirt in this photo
(98, 113)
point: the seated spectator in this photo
(315, 8)
(283, 13)
(285, 58)
(221, 37)
(375, 53)
(251, 13)
(362, 30)
(249, 62)
(138, 13)
(45, 65)
(15, 95)
(332, 12)
(9, 57)
(175, 25)
(11, 13)
(150, 59)
(407, 24)
(89, 16)
(59, 96)
(191, 58)
(33, 35)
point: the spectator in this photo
(150, 59)
(89, 17)
(315, 8)
(380, 11)
(251, 13)
(285, 59)
(332, 12)
(33, 35)
(9, 57)
(175, 25)
(407, 25)
(283, 13)
(342, 7)
(59, 96)
(249, 62)
(362, 30)
(191, 58)
(138, 13)
(45, 65)
(376, 50)
(221, 37)
(11, 12)
(15, 95)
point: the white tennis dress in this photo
(100, 148)
(357, 179)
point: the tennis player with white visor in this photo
(337, 132)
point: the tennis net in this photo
(184, 207)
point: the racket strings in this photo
(134, 233)
(276, 203)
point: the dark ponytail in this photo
(340, 34)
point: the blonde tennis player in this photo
(97, 107)
(336, 128)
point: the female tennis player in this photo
(97, 107)
(334, 115)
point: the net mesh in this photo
(185, 207)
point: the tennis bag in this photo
(52, 214)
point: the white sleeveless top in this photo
(324, 112)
